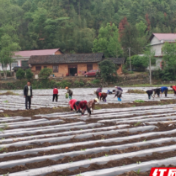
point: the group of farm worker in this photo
(82, 106)
(159, 91)
(102, 96)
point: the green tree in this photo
(20, 74)
(45, 73)
(108, 70)
(169, 57)
(29, 74)
(7, 47)
(108, 41)
(138, 62)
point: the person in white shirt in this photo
(28, 94)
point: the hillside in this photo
(73, 25)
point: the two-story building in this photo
(157, 41)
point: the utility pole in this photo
(150, 70)
(130, 58)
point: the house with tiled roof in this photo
(20, 58)
(157, 41)
(70, 64)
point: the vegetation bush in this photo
(108, 70)
(8, 74)
(95, 81)
(64, 84)
(45, 73)
(29, 74)
(79, 83)
(20, 74)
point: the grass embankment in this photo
(9, 93)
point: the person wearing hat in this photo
(119, 88)
(69, 92)
(118, 94)
(91, 104)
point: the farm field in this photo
(112, 142)
(43, 98)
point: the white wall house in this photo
(157, 41)
(21, 57)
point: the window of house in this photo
(24, 63)
(38, 68)
(14, 64)
(89, 67)
(55, 69)
(45, 66)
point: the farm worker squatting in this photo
(82, 106)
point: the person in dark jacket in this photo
(149, 93)
(55, 94)
(28, 94)
(164, 90)
(157, 91)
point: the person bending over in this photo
(174, 89)
(81, 107)
(72, 104)
(99, 90)
(118, 94)
(157, 92)
(164, 90)
(149, 93)
(91, 105)
(102, 96)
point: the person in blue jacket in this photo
(164, 90)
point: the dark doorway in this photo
(72, 70)
(89, 67)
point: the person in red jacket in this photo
(55, 94)
(72, 104)
(81, 106)
(174, 89)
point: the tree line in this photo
(83, 26)
(73, 25)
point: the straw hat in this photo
(97, 100)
